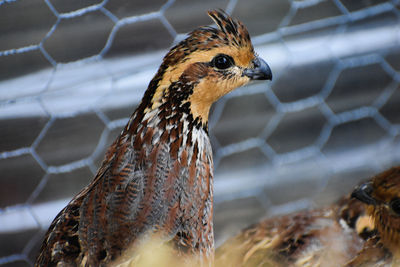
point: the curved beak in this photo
(363, 193)
(261, 70)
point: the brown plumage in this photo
(350, 233)
(157, 177)
(323, 237)
(381, 195)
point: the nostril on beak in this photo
(261, 70)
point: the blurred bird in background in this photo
(157, 177)
(349, 233)
(323, 237)
(381, 196)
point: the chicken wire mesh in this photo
(73, 71)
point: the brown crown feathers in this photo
(157, 176)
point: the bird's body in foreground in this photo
(329, 236)
(157, 177)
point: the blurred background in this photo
(72, 72)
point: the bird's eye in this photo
(395, 205)
(222, 61)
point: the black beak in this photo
(261, 70)
(363, 193)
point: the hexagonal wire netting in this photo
(73, 71)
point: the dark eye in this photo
(222, 61)
(395, 205)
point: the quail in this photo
(157, 176)
(381, 196)
(329, 236)
(361, 230)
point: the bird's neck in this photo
(180, 94)
(387, 228)
(390, 239)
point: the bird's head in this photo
(206, 65)
(382, 195)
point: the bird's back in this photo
(320, 237)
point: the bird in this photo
(361, 230)
(157, 176)
(381, 196)
(327, 236)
